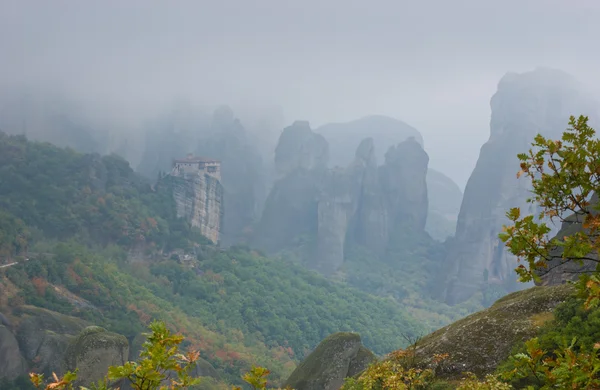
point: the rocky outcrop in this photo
(220, 136)
(344, 138)
(44, 337)
(338, 203)
(12, 363)
(93, 351)
(299, 148)
(290, 211)
(404, 185)
(479, 342)
(525, 104)
(444, 197)
(243, 175)
(321, 209)
(199, 199)
(337, 357)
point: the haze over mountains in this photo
(262, 176)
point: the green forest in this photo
(80, 219)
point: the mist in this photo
(432, 64)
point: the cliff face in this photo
(444, 197)
(386, 132)
(524, 105)
(220, 136)
(323, 209)
(199, 199)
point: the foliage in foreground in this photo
(161, 365)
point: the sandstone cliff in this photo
(221, 136)
(199, 199)
(525, 104)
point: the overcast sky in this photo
(433, 64)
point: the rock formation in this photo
(344, 138)
(198, 195)
(479, 342)
(299, 148)
(44, 337)
(12, 363)
(290, 210)
(404, 185)
(93, 351)
(222, 137)
(321, 209)
(525, 104)
(444, 197)
(337, 357)
(242, 174)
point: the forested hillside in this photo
(104, 245)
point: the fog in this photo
(432, 64)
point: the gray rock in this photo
(344, 138)
(12, 363)
(479, 342)
(93, 351)
(404, 186)
(337, 357)
(444, 198)
(524, 105)
(199, 199)
(322, 209)
(44, 336)
(5, 322)
(300, 148)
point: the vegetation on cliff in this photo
(82, 220)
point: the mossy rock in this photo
(330, 363)
(44, 336)
(479, 342)
(361, 361)
(93, 351)
(12, 364)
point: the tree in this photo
(564, 175)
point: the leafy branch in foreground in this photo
(564, 176)
(161, 366)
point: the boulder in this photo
(12, 363)
(337, 357)
(93, 351)
(44, 336)
(479, 342)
